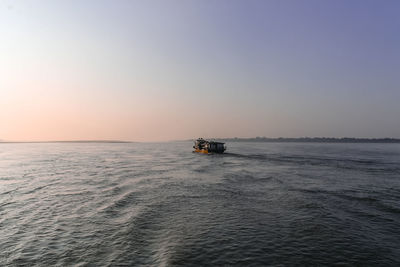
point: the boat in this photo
(208, 147)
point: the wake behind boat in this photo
(207, 147)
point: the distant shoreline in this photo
(313, 140)
(237, 139)
(71, 141)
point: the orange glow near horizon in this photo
(166, 70)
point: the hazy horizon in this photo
(194, 138)
(178, 70)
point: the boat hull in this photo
(204, 151)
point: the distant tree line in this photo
(314, 140)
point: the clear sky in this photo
(167, 70)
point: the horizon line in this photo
(216, 138)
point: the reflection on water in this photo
(161, 204)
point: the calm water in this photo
(162, 205)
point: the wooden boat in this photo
(208, 147)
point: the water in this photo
(109, 204)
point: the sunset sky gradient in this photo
(169, 70)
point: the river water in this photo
(159, 204)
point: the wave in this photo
(356, 164)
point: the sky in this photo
(182, 69)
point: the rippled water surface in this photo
(113, 204)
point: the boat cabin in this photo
(205, 146)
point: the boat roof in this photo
(214, 142)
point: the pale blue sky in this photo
(162, 70)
